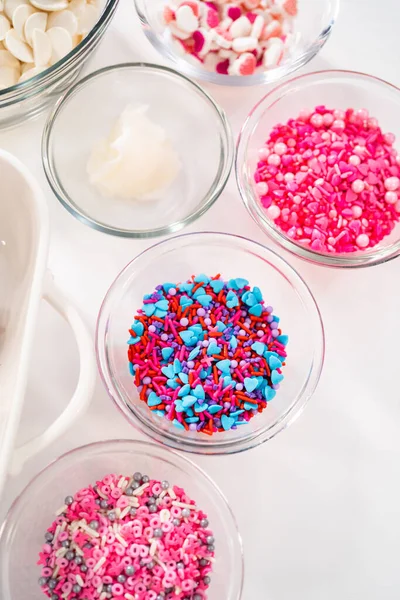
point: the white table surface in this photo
(326, 490)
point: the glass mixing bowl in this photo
(197, 127)
(313, 26)
(175, 260)
(21, 536)
(28, 99)
(335, 89)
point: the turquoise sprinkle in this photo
(236, 413)
(232, 284)
(153, 399)
(159, 412)
(179, 407)
(171, 383)
(188, 337)
(200, 407)
(131, 369)
(204, 299)
(220, 326)
(148, 309)
(250, 383)
(199, 392)
(257, 294)
(177, 424)
(274, 362)
(214, 409)
(203, 278)
(162, 304)
(283, 339)
(186, 287)
(249, 406)
(276, 377)
(233, 342)
(269, 393)
(192, 420)
(231, 299)
(184, 391)
(227, 422)
(167, 286)
(256, 310)
(168, 371)
(166, 353)
(195, 352)
(258, 347)
(188, 401)
(241, 283)
(213, 349)
(160, 313)
(138, 327)
(133, 341)
(199, 292)
(185, 301)
(217, 285)
(196, 329)
(184, 377)
(224, 365)
(227, 380)
(177, 366)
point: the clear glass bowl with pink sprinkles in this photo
(245, 397)
(240, 42)
(121, 519)
(318, 168)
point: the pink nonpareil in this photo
(330, 179)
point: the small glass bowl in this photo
(22, 533)
(335, 89)
(28, 99)
(198, 129)
(175, 260)
(313, 26)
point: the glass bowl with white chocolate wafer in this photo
(43, 46)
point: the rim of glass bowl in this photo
(213, 446)
(219, 183)
(182, 462)
(38, 83)
(265, 77)
(251, 202)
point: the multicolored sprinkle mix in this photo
(206, 354)
(128, 538)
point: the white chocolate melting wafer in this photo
(18, 47)
(11, 5)
(65, 19)
(50, 5)
(61, 42)
(8, 60)
(8, 76)
(42, 48)
(29, 73)
(36, 21)
(88, 19)
(20, 16)
(4, 27)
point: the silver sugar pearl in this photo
(203, 562)
(185, 512)
(132, 512)
(165, 485)
(150, 564)
(180, 565)
(206, 580)
(121, 578)
(176, 522)
(43, 581)
(197, 597)
(145, 479)
(52, 583)
(137, 476)
(152, 508)
(55, 597)
(210, 539)
(94, 525)
(135, 485)
(112, 516)
(104, 504)
(69, 500)
(48, 536)
(70, 555)
(129, 491)
(78, 560)
(76, 588)
(158, 532)
(211, 548)
(204, 523)
(130, 570)
(66, 544)
(84, 568)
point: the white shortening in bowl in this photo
(24, 235)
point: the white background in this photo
(318, 507)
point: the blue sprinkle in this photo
(268, 354)
(236, 413)
(204, 299)
(276, 377)
(221, 326)
(185, 389)
(256, 310)
(214, 409)
(187, 337)
(160, 313)
(131, 369)
(257, 293)
(232, 284)
(244, 422)
(177, 424)
(148, 309)
(231, 300)
(224, 365)
(189, 412)
(249, 406)
(133, 341)
(233, 342)
(137, 327)
(199, 392)
(213, 348)
(171, 383)
(274, 362)
(162, 304)
(188, 401)
(196, 329)
(203, 374)
(241, 283)
(203, 278)
(153, 399)
(227, 380)
(177, 366)
(283, 339)
(159, 413)
(227, 422)
(269, 393)
(179, 406)
(217, 285)
(200, 407)
(186, 287)
(168, 371)
(199, 292)
(194, 353)
(258, 347)
(276, 319)
(192, 419)
(250, 383)
(166, 353)
(167, 286)
(184, 377)
(185, 301)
